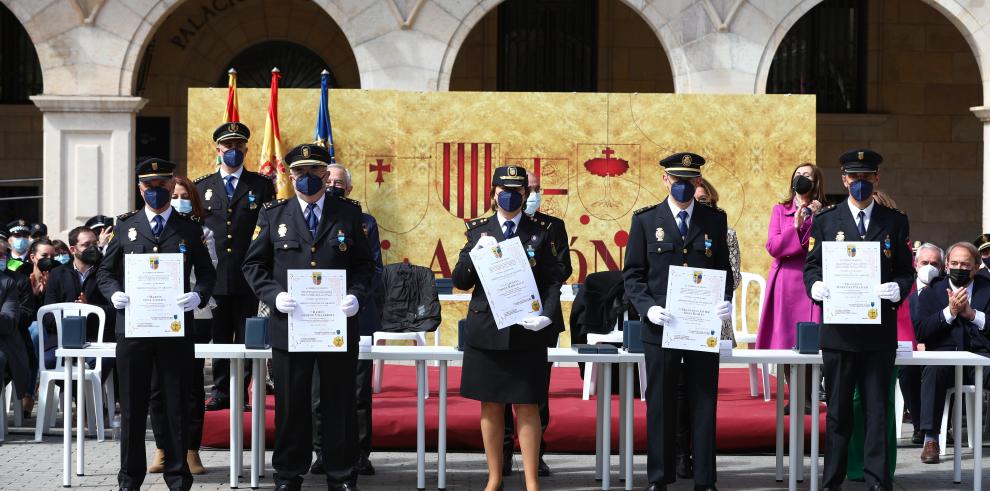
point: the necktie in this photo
(683, 225)
(228, 185)
(862, 224)
(158, 226)
(311, 220)
(510, 229)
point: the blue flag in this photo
(323, 135)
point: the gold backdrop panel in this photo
(421, 162)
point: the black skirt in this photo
(505, 376)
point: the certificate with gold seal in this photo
(507, 277)
(154, 282)
(317, 323)
(851, 271)
(692, 294)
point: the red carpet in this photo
(745, 423)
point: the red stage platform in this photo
(745, 423)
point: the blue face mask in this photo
(62, 258)
(861, 190)
(157, 197)
(682, 191)
(20, 244)
(182, 205)
(3, 265)
(509, 201)
(309, 184)
(233, 157)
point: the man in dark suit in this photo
(854, 354)
(311, 231)
(155, 229)
(232, 197)
(562, 253)
(953, 317)
(676, 232)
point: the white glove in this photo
(120, 300)
(819, 291)
(659, 315)
(284, 303)
(188, 301)
(535, 323)
(889, 291)
(349, 305)
(724, 310)
(486, 241)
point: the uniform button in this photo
(685, 251)
(229, 250)
(230, 210)
(685, 264)
(312, 263)
(228, 222)
(659, 249)
(230, 236)
(284, 246)
(312, 249)
(154, 249)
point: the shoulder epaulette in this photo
(825, 210)
(645, 208)
(273, 204)
(127, 215)
(200, 178)
(350, 201)
(542, 221)
(712, 207)
(190, 217)
(470, 224)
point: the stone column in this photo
(88, 157)
(983, 113)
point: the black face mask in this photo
(335, 191)
(959, 277)
(47, 264)
(91, 256)
(802, 185)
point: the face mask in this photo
(182, 205)
(46, 264)
(91, 255)
(309, 184)
(927, 273)
(20, 244)
(335, 191)
(802, 185)
(509, 201)
(533, 203)
(861, 190)
(63, 258)
(156, 197)
(682, 191)
(986, 262)
(959, 277)
(233, 157)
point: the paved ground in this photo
(26, 465)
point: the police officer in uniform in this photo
(677, 232)
(311, 230)
(156, 228)
(232, 197)
(855, 354)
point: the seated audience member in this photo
(952, 315)
(61, 252)
(15, 365)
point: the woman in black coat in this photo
(12, 346)
(508, 366)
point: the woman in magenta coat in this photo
(787, 302)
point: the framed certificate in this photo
(851, 271)
(154, 282)
(317, 323)
(692, 294)
(510, 287)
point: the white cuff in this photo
(947, 315)
(980, 320)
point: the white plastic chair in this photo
(11, 403)
(418, 339)
(94, 389)
(899, 410)
(589, 368)
(741, 328)
(969, 395)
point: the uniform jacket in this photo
(282, 242)
(655, 244)
(961, 334)
(886, 224)
(480, 331)
(559, 247)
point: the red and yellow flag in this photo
(231, 115)
(271, 147)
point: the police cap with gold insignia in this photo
(231, 131)
(860, 160)
(151, 168)
(510, 176)
(19, 226)
(683, 164)
(307, 154)
(982, 242)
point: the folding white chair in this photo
(969, 400)
(589, 368)
(47, 404)
(418, 339)
(741, 327)
(11, 402)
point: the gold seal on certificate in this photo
(153, 281)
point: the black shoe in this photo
(317, 467)
(344, 486)
(918, 437)
(685, 467)
(544, 469)
(702, 487)
(287, 487)
(656, 487)
(216, 403)
(506, 464)
(365, 468)
(878, 487)
(832, 488)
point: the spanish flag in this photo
(231, 115)
(271, 147)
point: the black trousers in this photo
(935, 382)
(364, 422)
(293, 373)
(510, 427)
(227, 328)
(843, 371)
(196, 394)
(663, 371)
(141, 363)
(909, 378)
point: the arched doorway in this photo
(193, 49)
(916, 79)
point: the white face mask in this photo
(182, 205)
(927, 273)
(533, 203)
